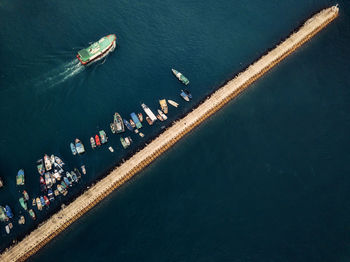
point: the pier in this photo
(117, 177)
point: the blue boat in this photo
(188, 93)
(42, 200)
(8, 212)
(79, 146)
(74, 176)
(50, 195)
(67, 182)
(128, 125)
(74, 150)
(184, 96)
(136, 120)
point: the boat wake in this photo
(59, 75)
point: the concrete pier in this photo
(62, 219)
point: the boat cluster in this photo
(52, 171)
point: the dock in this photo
(82, 204)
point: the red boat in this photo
(42, 180)
(47, 201)
(97, 139)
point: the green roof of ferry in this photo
(102, 44)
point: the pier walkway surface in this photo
(66, 216)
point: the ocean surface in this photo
(265, 179)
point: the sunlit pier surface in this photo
(66, 216)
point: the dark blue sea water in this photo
(265, 179)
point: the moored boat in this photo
(21, 220)
(111, 149)
(74, 176)
(92, 142)
(160, 118)
(181, 77)
(188, 93)
(77, 172)
(20, 177)
(47, 162)
(162, 114)
(140, 116)
(8, 211)
(184, 96)
(103, 136)
(68, 179)
(23, 203)
(3, 216)
(40, 166)
(124, 144)
(38, 204)
(42, 201)
(79, 146)
(83, 169)
(136, 120)
(149, 121)
(97, 140)
(1, 183)
(128, 140)
(48, 180)
(132, 123)
(97, 50)
(141, 134)
(50, 195)
(148, 112)
(163, 105)
(128, 125)
(118, 123)
(7, 229)
(47, 201)
(32, 214)
(173, 103)
(25, 195)
(59, 161)
(73, 149)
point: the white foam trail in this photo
(60, 75)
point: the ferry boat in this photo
(40, 166)
(32, 214)
(25, 195)
(162, 114)
(20, 177)
(140, 116)
(23, 203)
(163, 105)
(92, 142)
(74, 150)
(103, 136)
(97, 50)
(180, 76)
(47, 162)
(79, 146)
(83, 169)
(128, 125)
(173, 103)
(136, 120)
(97, 139)
(148, 112)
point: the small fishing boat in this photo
(128, 125)
(74, 176)
(40, 166)
(83, 169)
(140, 116)
(60, 188)
(32, 214)
(21, 220)
(92, 142)
(181, 77)
(47, 201)
(20, 177)
(1, 183)
(128, 140)
(42, 201)
(149, 121)
(48, 180)
(97, 139)
(43, 187)
(47, 162)
(3, 216)
(132, 123)
(77, 172)
(184, 96)
(141, 134)
(124, 144)
(162, 114)
(7, 229)
(163, 105)
(59, 161)
(33, 202)
(160, 117)
(56, 192)
(42, 180)
(25, 195)
(79, 146)
(38, 204)
(188, 93)
(8, 211)
(136, 131)
(113, 127)
(103, 136)
(68, 178)
(50, 195)
(52, 159)
(111, 149)
(23, 203)
(173, 103)
(74, 150)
